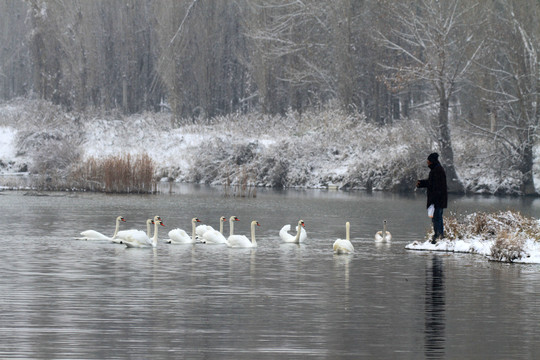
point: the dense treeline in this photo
(465, 63)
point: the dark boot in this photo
(434, 239)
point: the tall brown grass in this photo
(490, 225)
(508, 229)
(116, 174)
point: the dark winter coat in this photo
(437, 193)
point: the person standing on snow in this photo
(437, 194)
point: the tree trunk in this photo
(447, 153)
(526, 168)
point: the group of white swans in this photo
(208, 235)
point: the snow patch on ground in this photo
(531, 248)
(7, 142)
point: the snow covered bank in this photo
(529, 254)
(328, 148)
(504, 236)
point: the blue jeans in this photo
(437, 220)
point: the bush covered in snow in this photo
(507, 231)
(312, 150)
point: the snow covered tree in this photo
(511, 87)
(438, 46)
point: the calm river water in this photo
(62, 298)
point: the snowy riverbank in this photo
(529, 254)
(315, 150)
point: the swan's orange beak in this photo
(236, 219)
(258, 224)
(161, 223)
(124, 220)
(197, 220)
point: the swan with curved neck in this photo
(300, 233)
(140, 240)
(214, 236)
(344, 246)
(383, 235)
(232, 219)
(119, 238)
(96, 235)
(179, 236)
(242, 240)
(122, 235)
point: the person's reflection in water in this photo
(435, 319)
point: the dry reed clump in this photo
(489, 225)
(508, 229)
(453, 229)
(508, 246)
(116, 174)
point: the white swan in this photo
(383, 235)
(344, 246)
(96, 235)
(242, 240)
(140, 240)
(301, 234)
(214, 236)
(201, 229)
(121, 235)
(179, 236)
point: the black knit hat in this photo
(433, 157)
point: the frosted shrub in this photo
(52, 158)
(489, 225)
(507, 229)
(508, 246)
(453, 229)
(273, 172)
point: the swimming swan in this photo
(121, 235)
(213, 236)
(140, 240)
(179, 236)
(241, 241)
(383, 235)
(344, 246)
(96, 235)
(118, 239)
(301, 234)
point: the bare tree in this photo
(203, 58)
(439, 47)
(510, 90)
(294, 52)
(15, 70)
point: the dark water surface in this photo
(66, 299)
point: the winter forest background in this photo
(346, 93)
